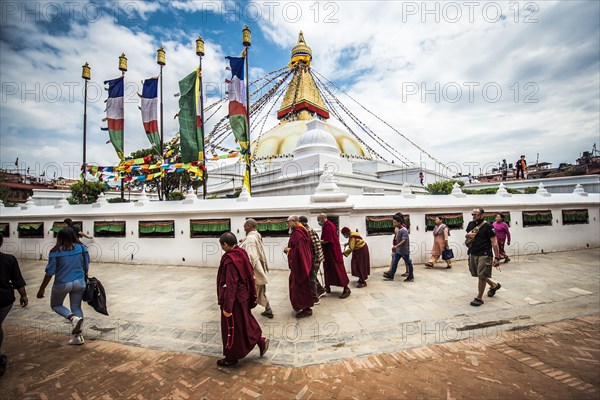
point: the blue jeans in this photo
(407, 261)
(75, 291)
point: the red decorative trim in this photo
(303, 106)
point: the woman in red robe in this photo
(300, 262)
(236, 294)
(333, 265)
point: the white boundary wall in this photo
(184, 250)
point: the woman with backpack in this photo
(440, 243)
(68, 262)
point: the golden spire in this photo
(302, 98)
(301, 52)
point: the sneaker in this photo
(321, 293)
(361, 285)
(316, 301)
(492, 292)
(476, 302)
(76, 322)
(345, 294)
(76, 339)
(388, 276)
(409, 279)
(265, 346)
(268, 314)
(226, 363)
(404, 274)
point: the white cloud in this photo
(34, 117)
(381, 49)
(376, 50)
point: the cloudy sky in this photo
(468, 83)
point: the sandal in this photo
(492, 291)
(476, 302)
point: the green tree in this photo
(175, 195)
(92, 191)
(5, 191)
(442, 187)
(172, 181)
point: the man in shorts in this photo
(481, 240)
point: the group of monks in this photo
(242, 279)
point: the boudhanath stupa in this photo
(290, 158)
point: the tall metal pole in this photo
(200, 53)
(123, 69)
(86, 75)
(161, 60)
(247, 42)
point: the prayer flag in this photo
(238, 115)
(149, 113)
(115, 113)
(190, 125)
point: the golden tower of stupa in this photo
(302, 100)
(301, 103)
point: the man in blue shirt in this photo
(401, 250)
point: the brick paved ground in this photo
(559, 360)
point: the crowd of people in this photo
(306, 251)
(242, 275)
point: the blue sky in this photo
(471, 83)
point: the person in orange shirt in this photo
(521, 165)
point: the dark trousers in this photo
(3, 313)
(522, 173)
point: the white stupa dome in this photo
(316, 140)
(284, 139)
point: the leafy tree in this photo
(172, 181)
(5, 192)
(442, 187)
(175, 195)
(492, 190)
(92, 191)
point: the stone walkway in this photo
(537, 338)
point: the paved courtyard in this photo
(538, 338)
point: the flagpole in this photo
(161, 60)
(123, 69)
(247, 42)
(86, 75)
(200, 54)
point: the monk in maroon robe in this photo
(300, 262)
(333, 265)
(236, 294)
